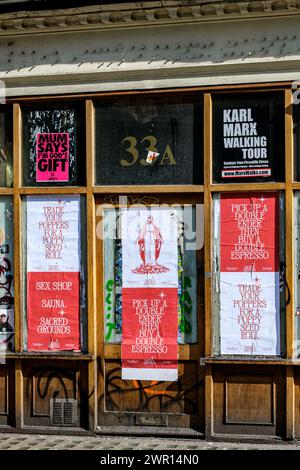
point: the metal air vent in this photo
(63, 412)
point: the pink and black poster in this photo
(149, 295)
(249, 274)
(53, 273)
(52, 157)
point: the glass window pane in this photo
(54, 281)
(6, 167)
(248, 137)
(53, 145)
(6, 274)
(131, 132)
(249, 280)
(188, 261)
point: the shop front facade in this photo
(150, 219)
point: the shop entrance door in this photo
(151, 402)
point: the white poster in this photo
(53, 227)
(248, 313)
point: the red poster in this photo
(53, 311)
(52, 153)
(149, 336)
(249, 274)
(249, 232)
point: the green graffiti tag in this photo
(110, 326)
(186, 306)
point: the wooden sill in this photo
(60, 355)
(250, 360)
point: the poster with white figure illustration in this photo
(149, 243)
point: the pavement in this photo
(24, 442)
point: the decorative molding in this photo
(178, 50)
(164, 55)
(125, 15)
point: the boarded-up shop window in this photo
(248, 137)
(54, 281)
(6, 275)
(149, 140)
(190, 260)
(249, 274)
(6, 169)
(53, 145)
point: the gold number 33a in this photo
(133, 151)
